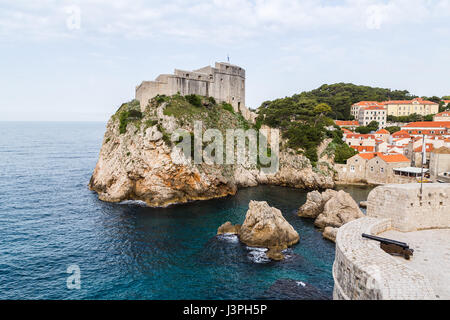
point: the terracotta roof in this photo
(346, 123)
(382, 131)
(346, 130)
(367, 155)
(420, 100)
(366, 103)
(374, 108)
(428, 124)
(401, 134)
(446, 101)
(363, 148)
(360, 135)
(428, 147)
(443, 113)
(392, 157)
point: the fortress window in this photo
(187, 75)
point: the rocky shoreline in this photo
(136, 163)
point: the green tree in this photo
(393, 129)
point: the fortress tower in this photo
(224, 82)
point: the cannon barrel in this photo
(387, 241)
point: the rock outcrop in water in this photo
(264, 227)
(330, 209)
(136, 160)
(228, 228)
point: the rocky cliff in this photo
(136, 161)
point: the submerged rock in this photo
(289, 289)
(331, 209)
(228, 228)
(264, 227)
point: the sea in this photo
(53, 230)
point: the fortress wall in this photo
(363, 271)
(225, 82)
(409, 211)
(149, 89)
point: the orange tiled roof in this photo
(346, 123)
(428, 124)
(401, 134)
(346, 130)
(363, 148)
(360, 135)
(428, 147)
(392, 157)
(377, 107)
(443, 113)
(366, 103)
(420, 100)
(382, 131)
(367, 155)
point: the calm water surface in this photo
(49, 220)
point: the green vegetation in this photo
(372, 126)
(195, 100)
(305, 123)
(341, 96)
(410, 118)
(393, 129)
(129, 112)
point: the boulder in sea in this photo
(363, 204)
(315, 201)
(330, 209)
(330, 233)
(227, 227)
(264, 227)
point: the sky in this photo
(79, 60)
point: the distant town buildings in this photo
(398, 108)
(347, 124)
(372, 113)
(442, 116)
(420, 128)
(419, 106)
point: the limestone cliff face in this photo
(135, 163)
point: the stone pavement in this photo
(431, 256)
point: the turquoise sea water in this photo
(49, 220)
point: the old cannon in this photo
(392, 246)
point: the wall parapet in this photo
(408, 208)
(363, 271)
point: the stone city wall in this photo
(408, 209)
(363, 271)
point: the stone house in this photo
(372, 167)
(439, 162)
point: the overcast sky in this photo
(79, 60)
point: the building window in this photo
(352, 168)
(381, 170)
(371, 169)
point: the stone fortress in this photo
(224, 82)
(363, 271)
